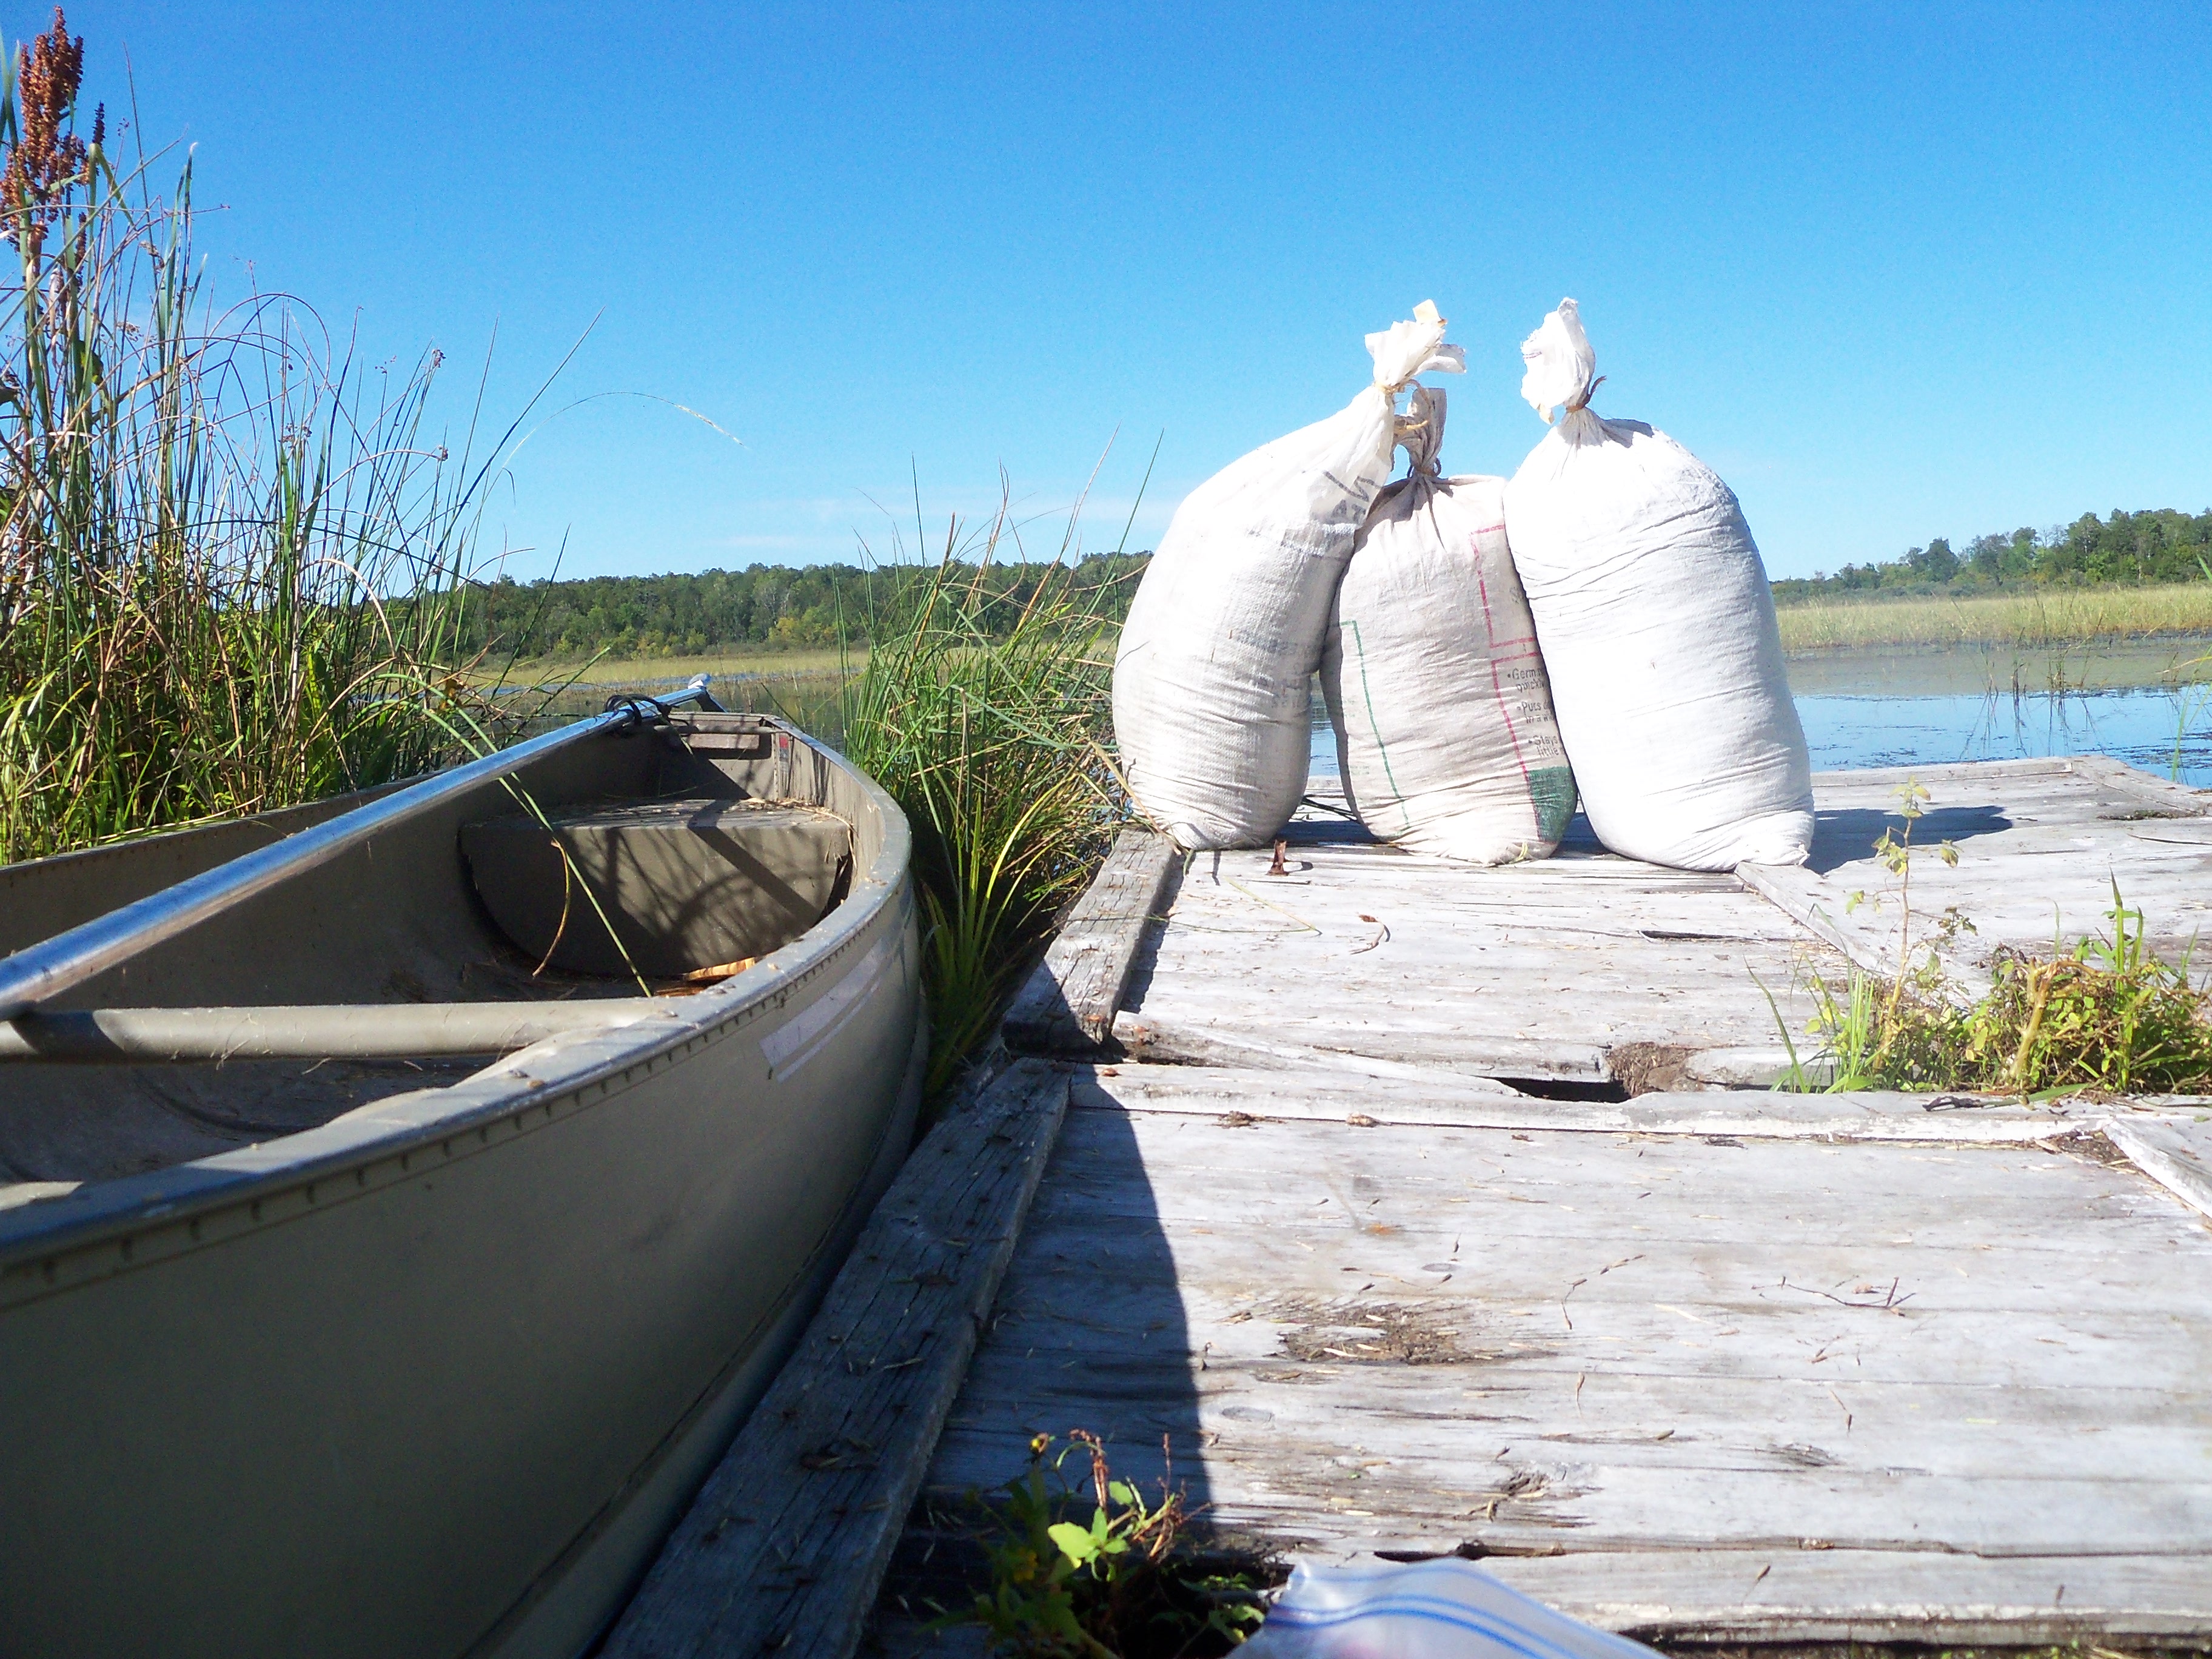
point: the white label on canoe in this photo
(790, 1045)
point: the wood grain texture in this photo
(2041, 846)
(1368, 956)
(787, 1541)
(1703, 1363)
(1067, 1004)
(1753, 1366)
(1261, 1095)
(1813, 1595)
(2176, 1154)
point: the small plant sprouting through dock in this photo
(2107, 1016)
(1119, 1584)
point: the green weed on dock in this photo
(2105, 1015)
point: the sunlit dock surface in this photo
(1426, 1209)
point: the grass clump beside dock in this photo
(230, 571)
(2039, 617)
(993, 735)
(2108, 1016)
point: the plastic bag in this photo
(1211, 681)
(1657, 627)
(1444, 732)
(1441, 1609)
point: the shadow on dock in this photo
(1094, 1285)
(1841, 837)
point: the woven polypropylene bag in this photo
(1211, 681)
(1657, 626)
(1438, 1609)
(1445, 734)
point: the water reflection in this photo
(2166, 731)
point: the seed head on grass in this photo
(229, 580)
(45, 155)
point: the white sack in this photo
(1211, 699)
(1444, 732)
(1441, 1609)
(1657, 626)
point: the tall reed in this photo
(209, 517)
(991, 731)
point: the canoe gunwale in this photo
(132, 1221)
(32, 976)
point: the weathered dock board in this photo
(1390, 1262)
(1585, 967)
(1069, 1001)
(785, 1544)
(1652, 1371)
(1588, 967)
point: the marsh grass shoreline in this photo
(2036, 618)
(235, 561)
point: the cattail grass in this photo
(990, 726)
(232, 565)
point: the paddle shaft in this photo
(40, 972)
(111, 1036)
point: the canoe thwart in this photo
(401, 1031)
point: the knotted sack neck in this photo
(1420, 430)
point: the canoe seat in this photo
(687, 883)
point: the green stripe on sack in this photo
(1375, 728)
(1551, 792)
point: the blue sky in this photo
(1894, 272)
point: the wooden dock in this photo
(1423, 1209)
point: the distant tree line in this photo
(762, 606)
(2159, 545)
(775, 605)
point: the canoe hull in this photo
(436, 1376)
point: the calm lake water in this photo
(2149, 703)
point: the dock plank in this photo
(1808, 1595)
(1259, 1095)
(2041, 846)
(1921, 1380)
(1577, 968)
(1068, 1003)
(790, 1536)
(2176, 1154)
